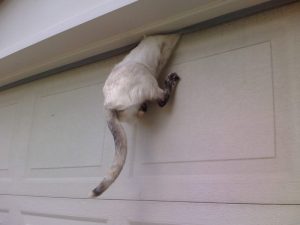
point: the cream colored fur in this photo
(134, 79)
(131, 83)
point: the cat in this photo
(130, 85)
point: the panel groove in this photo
(64, 167)
(72, 89)
(273, 98)
(158, 201)
(206, 160)
(221, 52)
(65, 217)
(4, 210)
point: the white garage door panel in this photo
(7, 115)
(7, 121)
(67, 139)
(10, 111)
(59, 128)
(50, 211)
(224, 111)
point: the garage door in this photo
(224, 151)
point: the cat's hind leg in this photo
(142, 109)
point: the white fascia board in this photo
(105, 7)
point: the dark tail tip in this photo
(95, 193)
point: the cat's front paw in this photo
(173, 77)
(172, 80)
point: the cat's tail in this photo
(120, 140)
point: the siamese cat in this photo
(130, 85)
